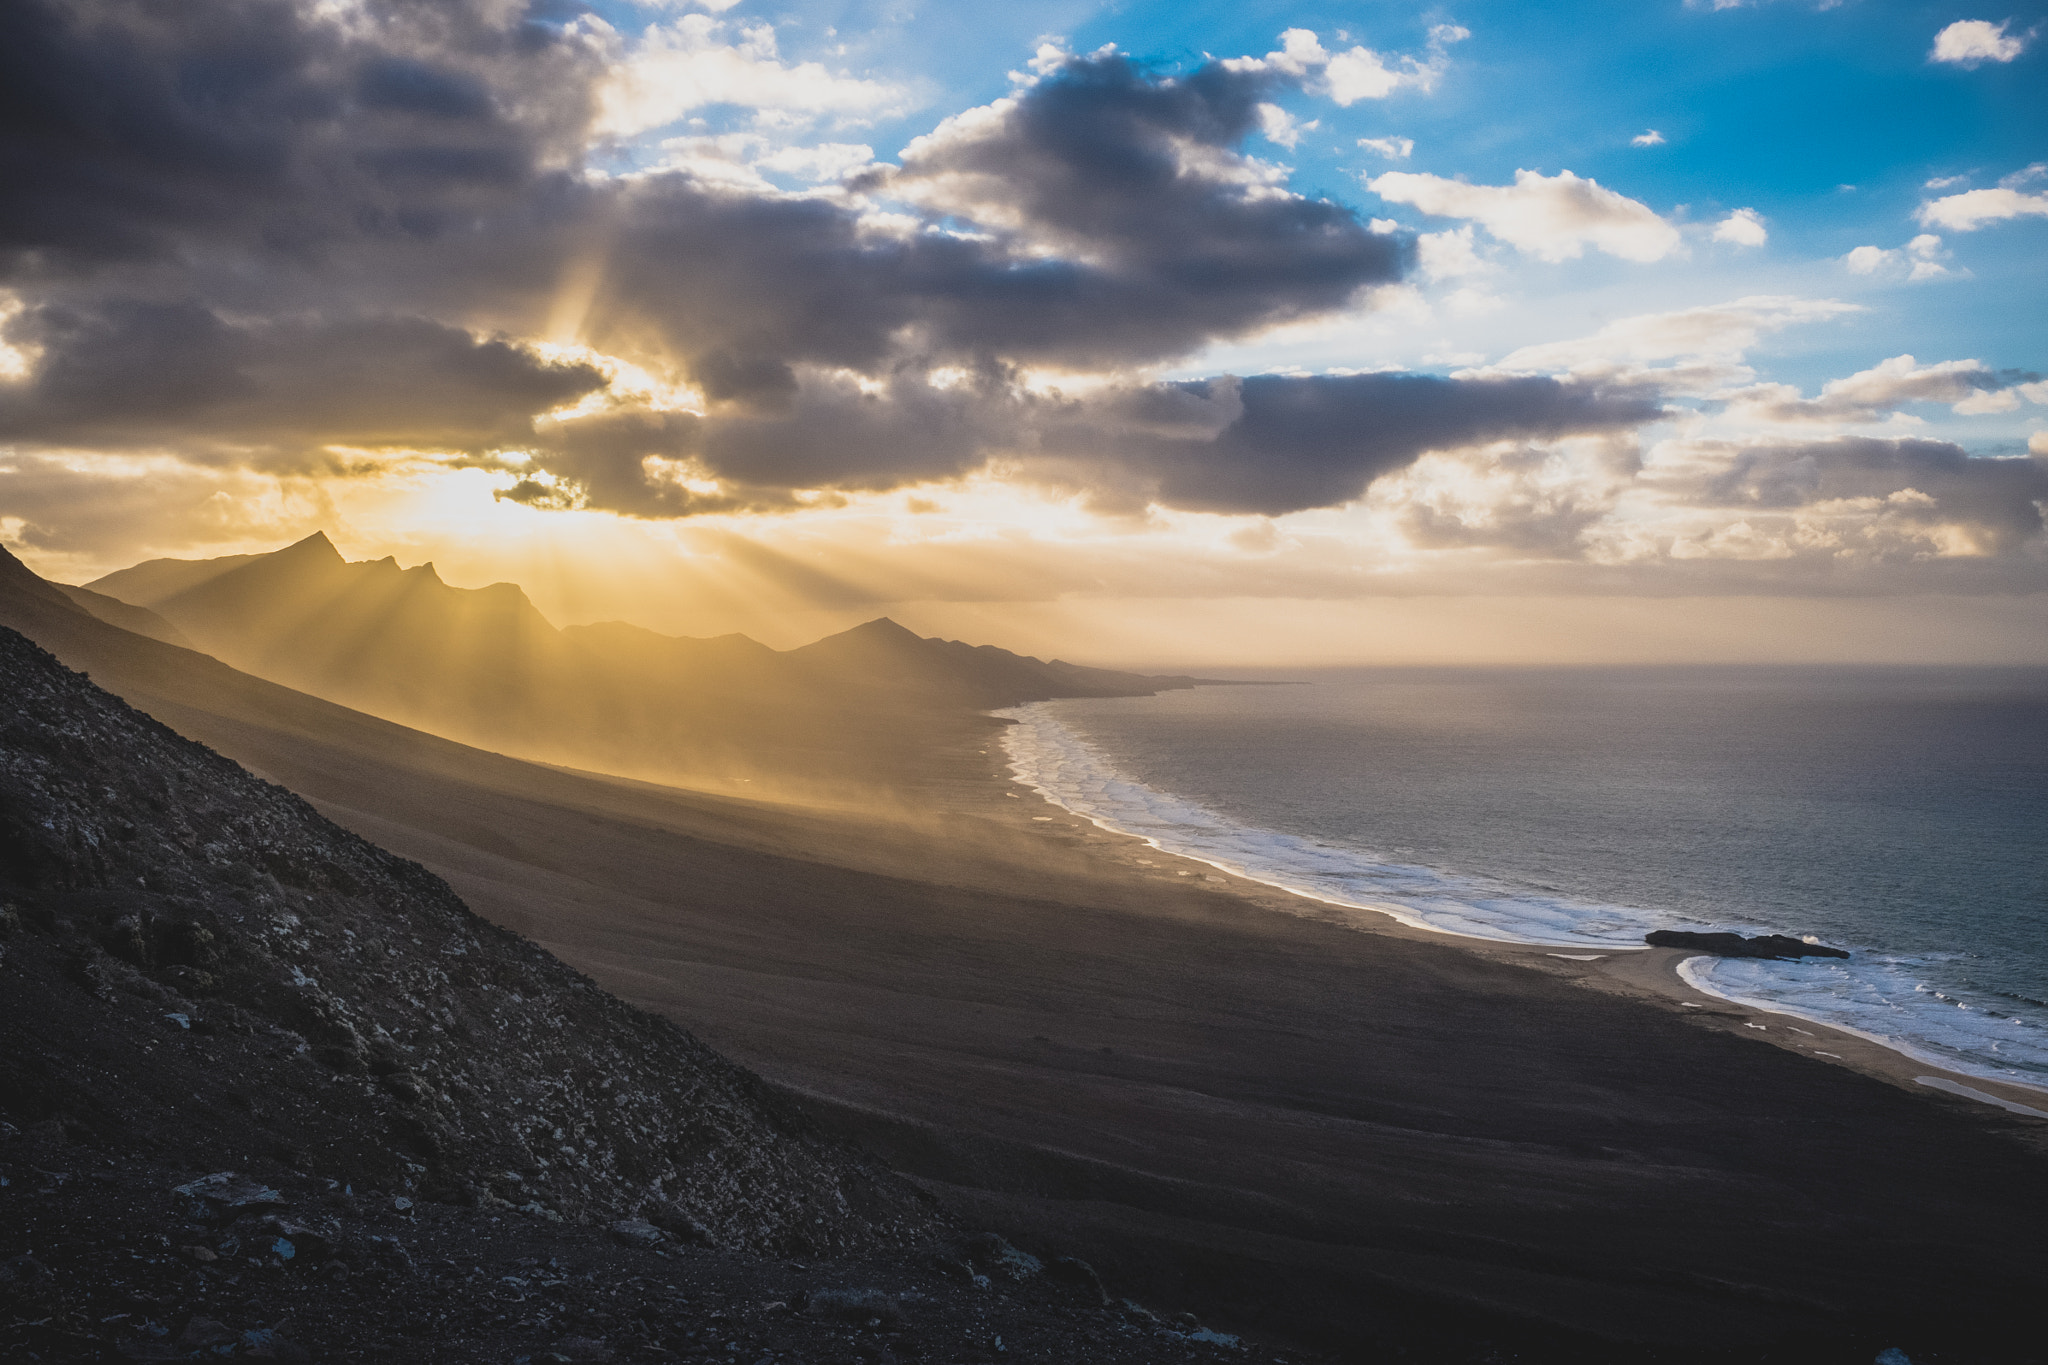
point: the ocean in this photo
(1900, 813)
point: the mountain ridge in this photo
(485, 666)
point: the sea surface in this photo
(1901, 813)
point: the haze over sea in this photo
(1901, 813)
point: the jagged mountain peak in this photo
(316, 545)
(885, 626)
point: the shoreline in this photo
(1657, 974)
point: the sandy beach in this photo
(1650, 974)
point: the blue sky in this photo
(1827, 120)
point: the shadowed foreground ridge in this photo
(232, 1032)
(223, 948)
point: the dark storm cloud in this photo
(1931, 482)
(1135, 174)
(364, 196)
(388, 82)
(134, 132)
(133, 373)
(1125, 232)
(1269, 444)
(832, 434)
(1298, 442)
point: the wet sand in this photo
(1292, 1120)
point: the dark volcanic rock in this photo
(1735, 945)
(637, 1232)
(223, 1192)
(1072, 1270)
(207, 967)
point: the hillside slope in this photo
(115, 612)
(196, 942)
(231, 1032)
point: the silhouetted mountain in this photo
(484, 666)
(153, 580)
(643, 731)
(115, 612)
(398, 642)
(886, 656)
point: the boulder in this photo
(637, 1232)
(207, 1334)
(678, 1222)
(224, 1192)
(295, 1242)
(1074, 1271)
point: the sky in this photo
(1260, 332)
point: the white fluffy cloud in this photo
(1972, 209)
(1280, 126)
(1744, 227)
(743, 160)
(1920, 259)
(1552, 217)
(1648, 138)
(1357, 73)
(1721, 330)
(1447, 255)
(1969, 42)
(695, 62)
(1392, 148)
(1872, 394)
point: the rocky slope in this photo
(199, 961)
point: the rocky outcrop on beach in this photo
(1735, 945)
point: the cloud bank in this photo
(283, 235)
(252, 239)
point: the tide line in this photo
(1958, 1088)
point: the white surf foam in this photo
(1068, 771)
(1888, 999)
